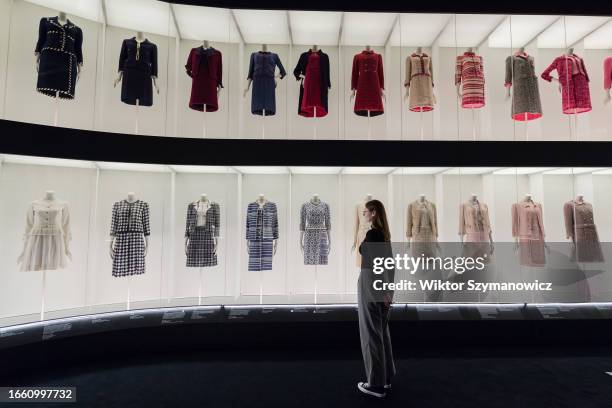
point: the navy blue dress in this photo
(261, 71)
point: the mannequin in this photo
(131, 198)
(419, 51)
(529, 199)
(63, 20)
(356, 237)
(139, 39)
(382, 91)
(459, 90)
(473, 200)
(262, 200)
(520, 51)
(264, 48)
(315, 200)
(203, 201)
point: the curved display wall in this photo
(481, 128)
(127, 235)
(437, 76)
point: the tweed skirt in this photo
(129, 254)
(424, 243)
(476, 244)
(575, 95)
(421, 94)
(316, 247)
(260, 254)
(531, 252)
(201, 248)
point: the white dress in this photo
(46, 237)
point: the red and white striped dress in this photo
(470, 73)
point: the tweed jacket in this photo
(564, 65)
(577, 215)
(527, 221)
(269, 223)
(413, 225)
(60, 39)
(143, 57)
(130, 218)
(210, 59)
(263, 64)
(418, 65)
(608, 73)
(212, 219)
(468, 218)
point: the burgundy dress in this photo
(312, 88)
(574, 79)
(368, 80)
(204, 66)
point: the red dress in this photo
(574, 80)
(204, 67)
(368, 80)
(312, 88)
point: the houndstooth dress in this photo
(315, 223)
(202, 227)
(129, 226)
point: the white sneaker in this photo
(378, 392)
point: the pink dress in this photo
(574, 80)
(469, 72)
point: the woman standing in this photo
(374, 305)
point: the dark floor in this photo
(426, 378)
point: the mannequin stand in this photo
(315, 124)
(56, 113)
(473, 124)
(204, 122)
(136, 121)
(261, 287)
(369, 127)
(575, 126)
(200, 288)
(263, 124)
(127, 307)
(526, 127)
(422, 124)
(44, 290)
(316, 286)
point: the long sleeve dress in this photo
(368, 79)
(129, 227)
(262, 67)
(419, 80)
(314, 66)
(469, 73)
(46, 237)
(520, 75)
(205, 67)
(315, 222)
(201, 228)
(138, 62)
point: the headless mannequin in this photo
(316, 201)
(521, 51)
(49, 199)
(422, 199)
(264, 48)
(474, 199)
(419, 51)
(206, 202)
(63, 20)
(261, 201)
(131, 198)
(568, 52)
(139, 40)
(528, 199)
(459, 90)
(368, 197)
(382, 91)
